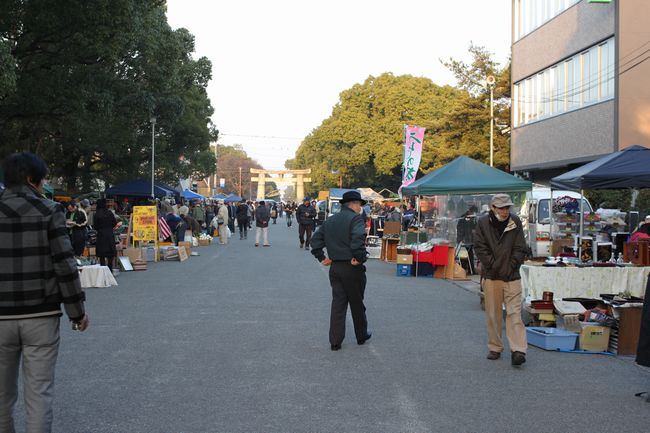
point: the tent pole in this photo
(551, 221)
(417, 263)
(582, 212)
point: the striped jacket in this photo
(38, 270)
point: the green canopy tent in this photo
(465, 175)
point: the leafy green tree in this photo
(470, 122)
(89, 76)
(361, 143)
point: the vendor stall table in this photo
(96, 276)
(590, 282)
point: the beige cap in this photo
(501, 200)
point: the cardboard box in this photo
(405, 259)
(187, 245)
(594, 338)
(133, 253)
(204, 242)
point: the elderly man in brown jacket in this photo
(500, 245)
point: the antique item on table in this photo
(604, 251)
(586, 249)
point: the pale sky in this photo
(278, 66)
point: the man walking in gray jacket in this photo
(500, 245)
(38, 273)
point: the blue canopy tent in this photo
(219, 196)
(232, 198)
(191, 195)
(140, 188)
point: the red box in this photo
(437, 257)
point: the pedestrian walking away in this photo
(500, 246)
(242, 219)
(344, 237)
(305, 216)
(38, 273)
(262, 217)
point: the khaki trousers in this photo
(496, 294)
(35, 342)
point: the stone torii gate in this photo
(299, 180)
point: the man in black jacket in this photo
(242, 219)
(500, 245)
(344, 236)
(305, 216)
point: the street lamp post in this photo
(153, 147)
(490, 83)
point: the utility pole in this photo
(240, 182)
(153, 153)
(490, 81)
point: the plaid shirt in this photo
(38, 270)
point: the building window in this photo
(531, 14)
(583, 79)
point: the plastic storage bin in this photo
(551, 338)
(404, 270)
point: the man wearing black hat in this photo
(305, 216)
(500, 245)
(344, 236)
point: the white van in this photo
(536, 219)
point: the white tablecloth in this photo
(96, 276)
(571, 282)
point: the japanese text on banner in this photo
(413, 140)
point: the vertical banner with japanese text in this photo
(413, 140)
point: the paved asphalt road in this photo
(236, 341)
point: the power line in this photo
(261, 136)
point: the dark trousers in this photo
(78, 240)
(348, 286)
(107, 261)
(304, 230)
(243, 227)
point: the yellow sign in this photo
(145, 223)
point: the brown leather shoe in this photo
(518, 358)
(493, 355)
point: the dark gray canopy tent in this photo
(628, 168)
